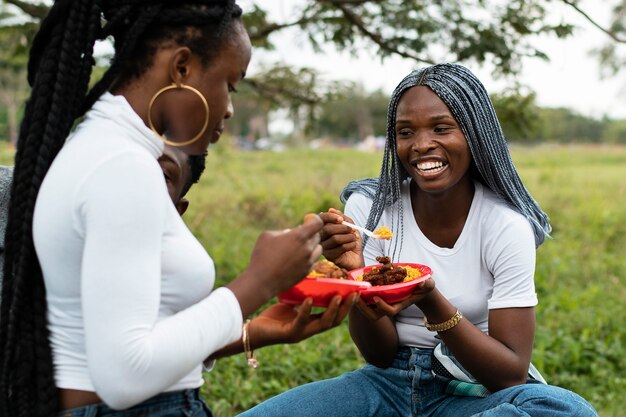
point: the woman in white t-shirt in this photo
(461, 344)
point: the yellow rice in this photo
(411, 273)
(315, 274)
(384, 232)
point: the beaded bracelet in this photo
(246, 346)
(446, 325)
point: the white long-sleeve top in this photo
(130, 308)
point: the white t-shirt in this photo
(491, 265)
(130, 308)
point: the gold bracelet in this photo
(446, 325)
(246, 346)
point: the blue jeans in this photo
(408, 388)
(185, 403)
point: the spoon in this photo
(362, 230)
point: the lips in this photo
(216, 135)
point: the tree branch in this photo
(355, 20)
(264, 32)
(274, 92)
(38, 11)
(594, 23)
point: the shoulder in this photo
(358, 207)
(498, 213)
(129, 170)
(501, 225)
(358, 199)
(6, 179)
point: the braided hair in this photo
(59, 69)
(491, 165)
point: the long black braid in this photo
(59, 69)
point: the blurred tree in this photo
(518, 114)
(612, 58)
(353, 115)
(615, 132)
(564, 125)
(498, 31)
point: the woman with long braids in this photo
(107, 298)
(461, 344)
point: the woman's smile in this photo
(430, 168)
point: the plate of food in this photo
(392, 282)
(321, 284)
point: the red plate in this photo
(393, 293)
(322, 290)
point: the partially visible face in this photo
(429, 142)
(216, 82)
(176, 170)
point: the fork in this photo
(362, 230)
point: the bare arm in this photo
(373, 328)
(497, 360)
(282, 323)
(376, 340)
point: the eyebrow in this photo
(441, 117)
(433, 118)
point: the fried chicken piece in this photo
(327, 269)
(385, 260)
(385, 274)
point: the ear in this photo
(181, 206)
(180, 65)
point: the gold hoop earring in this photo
(206, 119)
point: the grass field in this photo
(581, 273)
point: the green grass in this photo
(581, 273)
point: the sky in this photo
(570, 79)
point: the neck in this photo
(441, 216)
(137, 98)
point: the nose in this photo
(230, 110)
(423, 142)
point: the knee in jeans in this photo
(551, 397)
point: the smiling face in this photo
(430, 143)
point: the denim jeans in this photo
(408, 388)
(185, 403)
